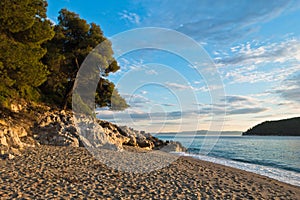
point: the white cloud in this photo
(246, 54)
(233, 99)
(197, 82)
(151, 72)
(241, 111)
(136, 100)
(290, 88)
(144, 92)
(130, 16)
(261, 63)
(178, 86)
(168, 104)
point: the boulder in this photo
(3, 140)
(11, 144)
(173, 147)
(16, 107)
(12, 138)
(144, 143)
(20, 131)
(62, 129)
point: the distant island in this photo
(285, 127)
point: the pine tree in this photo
(73, 41)
(23, 29)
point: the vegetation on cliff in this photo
(39, 61)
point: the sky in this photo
(252, 47)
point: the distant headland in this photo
(285, 127)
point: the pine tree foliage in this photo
(39, 61)
(24, 28)
(74, 40)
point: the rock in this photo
(143, 143)
(3, 123)
(94, 136)
(7, 156)
(29, 142)
(3, 139)
(135, 137)
(173, 147)
(16, 107)
(62, 128)
(12, 138)
(20, 131)
(15, 151)
(10, 156)
(57, 135)
(131, 141)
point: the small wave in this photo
(290, 177)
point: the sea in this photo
(277, 157)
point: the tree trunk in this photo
(67, 96)
(70, 92)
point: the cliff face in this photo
(285, 127)
(32, 126)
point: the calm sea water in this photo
(273, 156)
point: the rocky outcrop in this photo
(56, 128)
(137, 138)
(13, 140)
(61, 128)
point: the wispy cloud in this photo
(239, 99)
(130, 16)
(290, 88)
(136, 100)
(246, 111)
(168, 104)
(252, 62)
(151, 72)
(236, 105)
(246, 54)
(178, 86)
(209, 21)
(235, 98)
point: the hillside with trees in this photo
(285, 127)
(39, 60)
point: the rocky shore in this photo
(61, 128)
(59, 156)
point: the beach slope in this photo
(64, 172)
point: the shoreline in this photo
(248, 167)
(241, 170)
(48, 171)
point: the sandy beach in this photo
(64, 172)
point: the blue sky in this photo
(255, 47)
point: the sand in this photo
(49, 172)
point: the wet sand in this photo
(48, 172)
